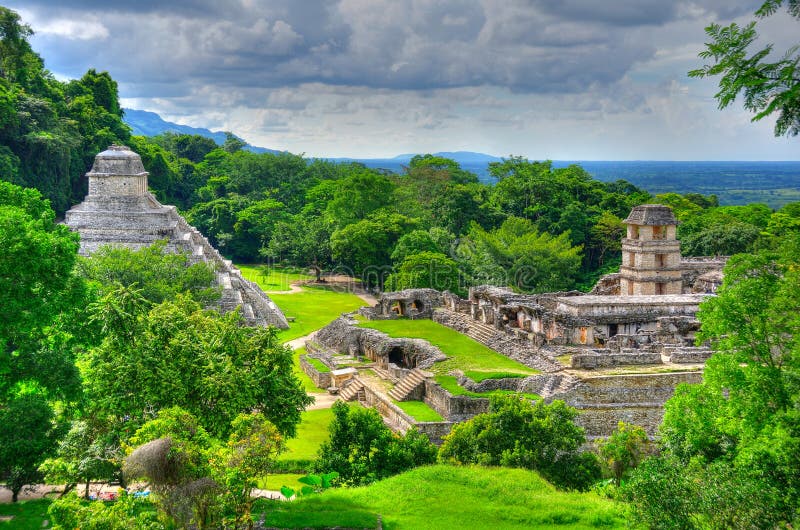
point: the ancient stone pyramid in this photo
(119, 210)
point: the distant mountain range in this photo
(774, 183)
(146, 123)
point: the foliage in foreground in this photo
(177, 354)
(362, 449)
(731, 445)
(126, 513)
(198, 480)
(442, 496)
(623, 450)
(517, 433)
(159, 274)
(766, 87)
(37, 368)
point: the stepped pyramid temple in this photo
(615, 354)
(119, 210)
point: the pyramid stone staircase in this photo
(119, 210)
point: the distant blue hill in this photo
(146, 123)
(773, 183)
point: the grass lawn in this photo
(312, 309)
(319, 365)
(435, 497)
(464, 353)
(419, 410)
(272, 278)
(308, 384)
(28, 515)
(311, 432)
(274, 482)
(482, 376)
(450, 383)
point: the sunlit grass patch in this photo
(419, 410)
(464, 353)
(313, 308)
(435, 497)
(273, 278)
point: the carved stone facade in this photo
(119, 210)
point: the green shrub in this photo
(535, 436)
(362, 449)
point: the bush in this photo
(517, 433)
(127, 513)
(362, 449)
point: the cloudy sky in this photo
(558, 79)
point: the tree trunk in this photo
(67, 489)
(14, 495)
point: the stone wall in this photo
(589, 361)
(639, 399)
(343, 335)
(450, 407)
(321, 379)
(399, 421)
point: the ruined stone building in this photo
(119, 210)
(616, 354)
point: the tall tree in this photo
(37, 286)
(768, 86)
(176, 354)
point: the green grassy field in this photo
(313, 308)
(272, 278)
(464, 353)
(311, 432)
(275, 482)
(27, 515)
(419, 410)
(436, 497)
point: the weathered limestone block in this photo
(590, 361)
(603, 400)
(410, 303)
(453, 408)
(321, 379)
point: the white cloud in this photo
(541, 78)
(74, 29)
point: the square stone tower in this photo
(651, 253)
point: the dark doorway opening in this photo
(613, 329)
(398, 358)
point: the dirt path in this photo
(299, 342)
(322, 400)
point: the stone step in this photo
(408, 385)
(384, 374)
(351, 391)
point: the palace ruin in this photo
(616, 354)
